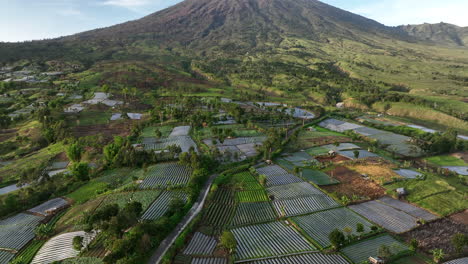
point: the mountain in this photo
(244, 23)
(442, 33)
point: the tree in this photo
(414, 244)
(356, 154)
(387, 107)
(348, 230)
(384, 252)
(337, 238)
(437, 255)
(105, 88)
(359, 228)
(157, 133)
(459, 241)
(74, 152)
(44, 231)
(78, 243)
(228, 241)
(80, 171)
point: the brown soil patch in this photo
(378, 172)
(334, 159)
(437, 234)
(461, 217)
(351, 183)
(461, 155)
(107, 130)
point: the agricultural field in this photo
(51, 205)
(5, 257)
(275, 175)
(18, 230)
(446, 160)
(220, 210)
(61, 247)
(160, 206)
(319, 225)
(252, 213)
(361, 251)
(319, 136)
(318, 177)
(201, 244)
(439, 194)
(381, 171)
(386, 216)
(164, 175)
(269, 239)
(146, 198)
(309, 258)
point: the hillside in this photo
(295, 50)
(442, 33)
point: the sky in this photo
(22, 20)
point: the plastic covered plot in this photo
(458, 169)
(362, 154)
(408, 174)
(180, 131)
(360, 252)
(201, 244)
(49, 207)
(408, 208)
(309, 258)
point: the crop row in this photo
(201, 244)
(48, 206)
(294, 190)
(161, 205)
(218, 215)
(361, 251)
(17, 231)
(304, 205)
(166, 174)
(311, 258)
(252, 196)
(268, 239)
(5, 257)
(408, 208)
(319, 225)
(271, 170)
(61, 247)
(251, 213)
(209, 261)
(386, 216)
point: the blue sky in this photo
(38, 19)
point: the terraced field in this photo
(251, 213)
(311, 258)
(361, 251)
(160, 206)
(163, 175)
(269, 239)
(201, 244)
(386, 216)
(319, 225)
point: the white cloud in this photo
(398, 12)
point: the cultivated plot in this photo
(160, 206)
(386, 216)
(362, 154)
(18, 230)
(458, 261)
(201, 244)
(61, 247)
(49, 207)
(269, 239)
(361, 251)
(163, 175)
(318, 177)
(5, 257)
(293, 190)
(408, 174)
(304, 205)
(251, 213)
(209, 261)
(309, 258)
(319, 225)
(408, 208)
(221, 210)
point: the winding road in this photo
(194, 211)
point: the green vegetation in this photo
(446, 160)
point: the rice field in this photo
(318, 177)
(18, 230)
(361, 251)
(251, 213)
(163, 175)
(269, 239)
(201, 244)
(161, 205)
(61, 247)
(309, 258)
(386, 216)
(319, 225)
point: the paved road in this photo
(194, 211)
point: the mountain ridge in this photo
(440, 33)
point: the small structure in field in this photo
(340, 105)
(402, 193)
(376, 260)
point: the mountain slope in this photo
(247, 23)
(442, 33)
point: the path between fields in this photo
(194, 211)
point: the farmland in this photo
(361, 251)
(163, 175)
(160, 206)
(312, 258)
